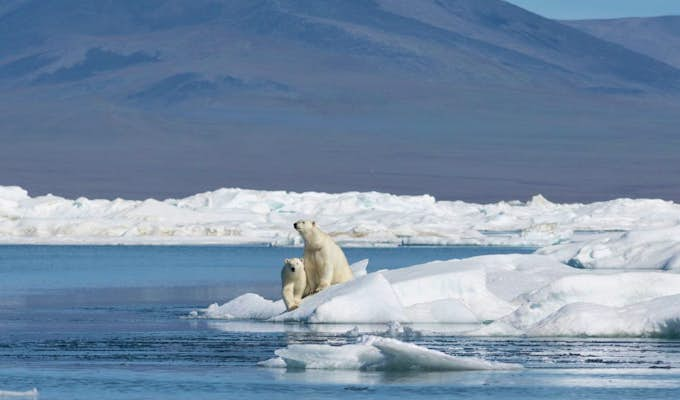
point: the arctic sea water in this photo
(109, 322)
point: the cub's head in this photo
(294, 265)
(304, 226)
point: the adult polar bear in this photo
(325, 263)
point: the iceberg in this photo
(495, 295)
(377, 354)
(239, 216)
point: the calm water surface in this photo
(107, 322)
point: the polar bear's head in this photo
(294, 265)
(304, 226)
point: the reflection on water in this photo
(415, 330)
(567, 378)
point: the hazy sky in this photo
(576, 9)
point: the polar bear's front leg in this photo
(287, 292)
(326, 277)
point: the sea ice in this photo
(617, 290)
(659, 317)
(248, 306)
(377, 353)
(10, 393)
(239, 216)
(638, 249)
(496, 295)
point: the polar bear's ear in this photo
(286, 261)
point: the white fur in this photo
(325, 262)
(293, 282)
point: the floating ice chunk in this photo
(441, 292)
(441, 311)
(377, 353)
(485, 285)
(359, 268)
(659, 317)
(324, 356)
(276, 362)
(248, 306)
(509, 276)
(431, 283)
(367, 299)
(518, 294)
(10, 393)
(643, 249)
(396, 329)
(400, 355)
(611, 290)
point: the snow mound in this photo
(377, 353)
(249, 306)
(239, 216)
(640, 249)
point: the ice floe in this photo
(494, 295)
(376, 353)
(657, 249)
(11, 393)
(616, 290)
(238, 216)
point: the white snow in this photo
(659, 317)
(618, 290)
(239, 216)
(359, 268)
(367, 299)
(376, 353)
(496, 295)
(248, 306)
(638, 249)
(10, 393)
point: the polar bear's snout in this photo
(304, 225)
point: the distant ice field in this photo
(239, 216)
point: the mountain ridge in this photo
(474, 100)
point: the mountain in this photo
(657, 37)
(466, 99)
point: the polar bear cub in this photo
(325, 262)
(293, 282)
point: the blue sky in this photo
(575, 9)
